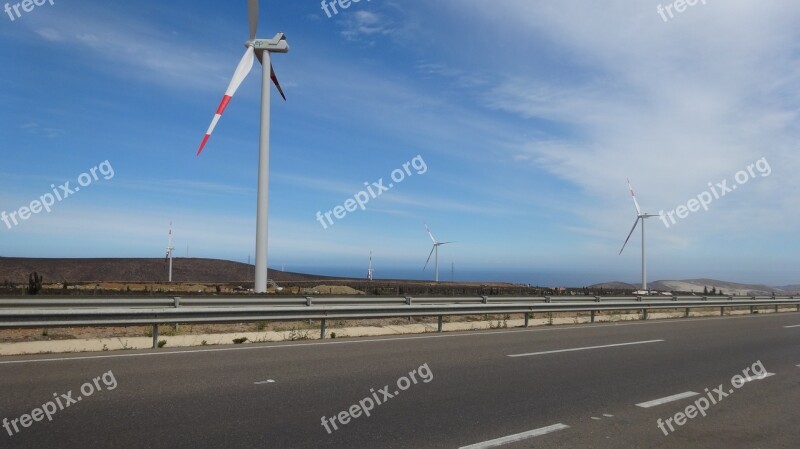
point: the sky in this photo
(518, 121)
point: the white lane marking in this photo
(268, 381)
(517, 437)
(377, 340)
(764, 376)
(796, 325)
(585, 348)
(607, 415)
(674, 397)
(596, 418)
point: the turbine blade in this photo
(275, 81)
(429, 233)
(630, 234)
(444, 243)
(242, 70)
(429, 258)
(252, 11)
(633, 195)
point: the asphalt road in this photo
(472, 391)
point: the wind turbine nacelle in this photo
(277, 44)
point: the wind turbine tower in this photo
(170, 251)
(261, 49)
(369, 270)
(639, 216)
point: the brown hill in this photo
(17, 269)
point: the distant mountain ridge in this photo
(17, 269)
(699, 285)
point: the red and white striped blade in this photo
(245, 65)
(633, 195)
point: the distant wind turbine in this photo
(170, 250)
(434, 249)
(369, 270)
(261, 49)
(639, 216)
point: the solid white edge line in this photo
(474, 333)
(585, 348)
(517, 437)
(268, 381)
(674, 397)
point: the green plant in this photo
(239, 341)
(162, 343)
(204, 343)
(105, 348)
(333, 334)
(261, 325)
(44, 332)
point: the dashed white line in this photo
(674, 397)
(268, 381)
(517, 437)
(796, 325)
(764, 376)
(585, 348)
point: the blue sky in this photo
(529, 116)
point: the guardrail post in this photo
(177, 304)
(592, 316)
(752, 309)
(485, 299)
(686, 315)
(526, 319)
(440, 323)
(155, 335)
(322, 330)
(548, 299)
(309, 301)
(408, 303)
(722, 311)
(644, 314)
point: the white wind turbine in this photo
(260, 48)
(369, 270)
(170, 250)
(434, 249)
(639, 216)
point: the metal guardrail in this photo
(53, 312)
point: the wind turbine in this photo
(643, 217)
(369, 270)
(434, 249)
(260, 48)
(170, 250)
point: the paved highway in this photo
(554, 387)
